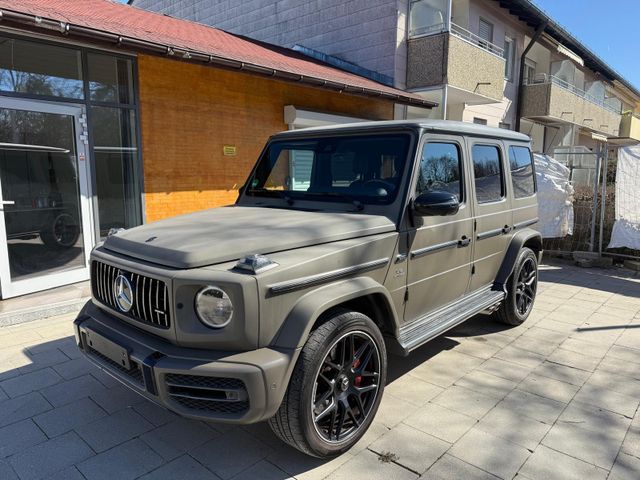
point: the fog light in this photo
(232, 395)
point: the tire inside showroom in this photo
(336, 386)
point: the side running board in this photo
(433, 324)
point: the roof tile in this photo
(128, 21)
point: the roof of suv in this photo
(441, 126)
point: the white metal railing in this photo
(427, 30)
(543, 78)
(476, 40)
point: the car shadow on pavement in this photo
(55, 400)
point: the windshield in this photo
(360, 168)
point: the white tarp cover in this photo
(555, 197)
(626, 229)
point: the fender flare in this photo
(526, 236)
(296, 328)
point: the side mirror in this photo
(436, 203)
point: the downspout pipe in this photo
(532, 42)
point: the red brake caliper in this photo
(358, 379)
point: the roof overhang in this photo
(56, 28)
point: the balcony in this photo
(630, 126)
(459, 58)
(549, 99)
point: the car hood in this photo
(229, 233)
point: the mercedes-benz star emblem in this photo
(124, 293)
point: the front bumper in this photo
(227, 387)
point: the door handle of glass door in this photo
(7, 202)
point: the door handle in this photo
(464, 241)
(7, 202)
(506, 229)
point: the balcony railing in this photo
(476, 40)
(543, 78)
(427, 30)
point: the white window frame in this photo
(529, 64)
(509, 57)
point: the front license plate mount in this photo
(108, 348)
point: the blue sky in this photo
(609, 29)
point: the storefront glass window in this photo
(115, 153)
(39, 69)
(110, 79)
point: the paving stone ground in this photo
(556, 398)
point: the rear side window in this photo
(521, 166)
(487, 171)
(440, 169)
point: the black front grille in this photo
(150, 295)
(213, 406)
(221, 383)
(215, 395)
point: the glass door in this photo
(45, 231)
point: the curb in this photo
(40, 312)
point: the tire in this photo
(318, 379)
(62, 232)
(521, 290)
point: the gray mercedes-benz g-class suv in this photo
(345, 243)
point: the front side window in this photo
(521, 166)
(440, 169)
(366, 168)
(36, 68)
(487, 171)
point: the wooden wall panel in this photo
(189, 112)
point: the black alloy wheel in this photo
(336, 386)
(521, 289)
(526, 286)
(346, 386)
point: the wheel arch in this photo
(361, 294)
(526, 237)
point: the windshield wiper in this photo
(356, 203)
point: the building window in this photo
(427, 17)
(521, 166)
(487, 172)
(110, 79)
(505, 125)
(480, 121)
(115, 154)
(509, 57)
(113, 126)
(485, 32)
(440, 169)
(529, 71)
(36, 69)
(39, 69)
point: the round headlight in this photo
(214, 307)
